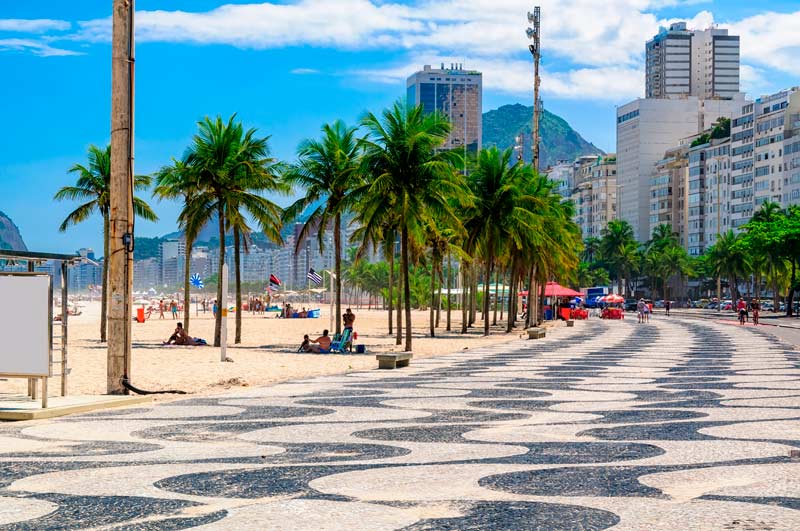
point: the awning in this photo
(554, 289)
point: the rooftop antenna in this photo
(534, 34)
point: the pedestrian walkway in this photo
(677, 424)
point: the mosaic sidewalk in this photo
(672, 425)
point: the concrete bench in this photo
(570, 323)
(394, 360)
(536, 333)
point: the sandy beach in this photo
(266, 355)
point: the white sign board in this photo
(25, 324)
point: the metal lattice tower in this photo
(534, 34)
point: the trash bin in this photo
(361, 349)
(548, 315)
(139, 315)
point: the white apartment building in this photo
(562, 176)
(594, 193)
(681, 62)
(646, 129)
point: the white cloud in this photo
(516, 77)
(33, 25)
(304, 71)
(35, 47)
(770, 39)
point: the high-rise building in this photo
(646, 129)
(458, 94)
(682, 62)
(595, 193)
(668, 192)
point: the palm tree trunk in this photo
(464, 294)
(432, 316)
(531, 305)
(488, 280)
(237, 260)
(473, 295)
(187, 265)
(439, 294)
(511, 296)
(337, 247)
(104, 287)
(406, 284)
(496, 295)
(502, 276)
(391, 287)
(399, 340)
(218, 321)
(449, 280)
(790, 297)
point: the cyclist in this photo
(742, 308)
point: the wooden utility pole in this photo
(120, 259)
(535, 48)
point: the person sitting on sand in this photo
(305, 346)
(180, 337)
(302, 313)
(321, 344)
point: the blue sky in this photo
(287, 66)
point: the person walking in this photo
(756, 311)
(161, 309)
(667, 306)
(640, 306)
(173, 306)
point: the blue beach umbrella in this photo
(196, 281)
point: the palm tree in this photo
(591, 249)
(618, 248)
(233, 169)
(176, 181)
(727, 259)
(93, 186)
(328, 170)
(409, 177)
(499, 214)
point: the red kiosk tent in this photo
(554, 289)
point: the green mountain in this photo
(558, 140)
(10, 238)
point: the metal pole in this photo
(535, 49)
(64, 317)
(719, 278)
(223, 307)
(121, 196)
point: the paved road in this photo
(672, 425)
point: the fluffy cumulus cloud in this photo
(590, 49)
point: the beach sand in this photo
(266, 355)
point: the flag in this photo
(314, 277)
(274, 281)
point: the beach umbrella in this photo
(613, 298)
(196, 281)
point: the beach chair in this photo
(340, 344)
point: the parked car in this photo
(630, 305)
(659, 304)
(711, 306)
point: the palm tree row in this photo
(408, 197)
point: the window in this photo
(762, 171)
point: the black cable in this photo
(127, 385)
